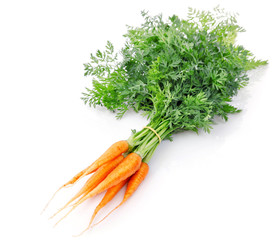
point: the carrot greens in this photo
(180, 73)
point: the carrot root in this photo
(68, 184)
(108, 214)
(64, 216)
(50, 200)
(85, 230)
(109, 195)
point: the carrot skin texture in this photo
(136, 180)
(101, 174)
(111, 153)
(125, 169)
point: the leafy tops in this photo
(180, 72)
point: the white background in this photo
(207, 186)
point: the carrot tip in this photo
(78, 235)
(88, 228)
(55, 225)
(54, 215)
(50, 200)
(63, 217)
(47, 204)
(107, 215)
(59, 221)
(70, 185)
(58, 212)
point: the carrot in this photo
(132, 186)
(125, 169)
(94, 180)
(112, 152)
(109, 195)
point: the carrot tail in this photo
(64, 216)
(70, 201)
(61, 209)
(82, 199)
(79, 201)
(85, 230)
(109, 195)
(70, 183)
(108, 214)
(50, 200)
(68, 205)
(90, 223)
(80, 175)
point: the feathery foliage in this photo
(180, 73)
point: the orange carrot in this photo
(95, 179)
(125, 169)
(109, 195)
(112, 152)
(132, 186)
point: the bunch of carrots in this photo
(180, 74)
(115, 168)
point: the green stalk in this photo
(149, 155)
(146, 141)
